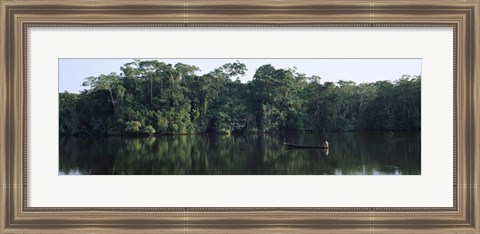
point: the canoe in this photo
(293, 146)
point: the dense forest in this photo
(152, 97)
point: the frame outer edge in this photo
(4, 184)
(471, 183)
(6, 103)
(476, 113)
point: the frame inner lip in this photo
(240, 209)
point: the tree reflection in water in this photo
(352, 153)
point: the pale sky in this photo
(72, 72)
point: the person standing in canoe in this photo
(325, 144)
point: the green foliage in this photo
(152, 97)
(162, 123)
(133, 127)
(149, 130)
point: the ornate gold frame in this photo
(17, 16)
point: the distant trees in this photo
(152, 97)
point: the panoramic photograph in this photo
(239, 116)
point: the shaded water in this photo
(352, 153)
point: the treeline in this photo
(152, 97)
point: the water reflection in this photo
(263, 154)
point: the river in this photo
(350, 153)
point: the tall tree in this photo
(103, 82)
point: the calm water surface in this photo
(352, 153)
